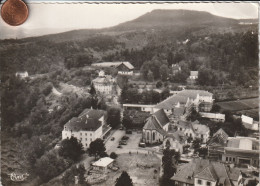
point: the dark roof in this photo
(205, 169)
(178, 135)
(219, 138)
(178, 111)
(95, 114)
(161, 117)
(152, 124)
(83, 124)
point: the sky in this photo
(50, 17)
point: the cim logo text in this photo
(18, 177)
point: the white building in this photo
(194, 75)
(22, 75)
(213, 116)
(145, 108)
(104, 84)
(103, 164)
(249, 123)
(86, 128)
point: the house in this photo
(216, 144)
(175, 141)
(145, 108)
(213, 116)
(249, 123)
(193, 77)
(104, 84)
(200, 172)
(241, 150)
(22, 75)
(123, 67)
(200, 100)
(155, 128)
(176, 68)
(103, 164)
(86, 128)
(193, 130)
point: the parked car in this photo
(121, 128)
(112, 139)
(119, 146)
(128, 132)
(142, 145)
(122, 142)
(125, 138)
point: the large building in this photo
(216, 145)
(202, 172)
(86, 128)
(241, 150)
(193, 130)
(200, 100)
(156, 127)
(123, 67)
(104, 84)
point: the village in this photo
(136, 140)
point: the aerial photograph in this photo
(131, 94)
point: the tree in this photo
(150, 76)
(196, 144)
(113, 155)
(164, 72)
(124, 180)
(159, 84)
(194, 115)
(169, 162)
(165, 93)
(113, 117)
(215, 108)
(97, 148)
(127, 121)
(92, 90)
(71, 148)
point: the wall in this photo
(203, 182)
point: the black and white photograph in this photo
(129, 93)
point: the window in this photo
(153, 135)
(80, 134)
(199, 182)
(230, 159)
(208, 183)
(86, 134)
(234, 159)
(86, 144)
(226, 158)
(86, 139)
(201, 135)
(180, 129)
(147, 135)
(90, 134)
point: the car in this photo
(121, 128)
(128, 132)
(122, 142)
(125, 138)
(142, 145)
(112, 139)
(119, 146)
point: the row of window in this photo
(86, 139)
(229, 159)
(200, 183)
(85, 134)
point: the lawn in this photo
(140, 167)
(239, 105)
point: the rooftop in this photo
(103, 162)
(220, 137)
(114, 64)
(205, 169)
(243, 143)
(83, 124)
(194, 73)
(92, 113)
(161, 117)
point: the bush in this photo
(113, 155)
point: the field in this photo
(245, 106)
(140, 167)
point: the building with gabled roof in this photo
(216, 144)
(156, 127)
(123, 67)
(104, 84)
(193, 130)
(204, 172)
(87, 127)
(241, 150)
(175, 140)
(22, 75)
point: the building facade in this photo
(104, 84)
(241, 150)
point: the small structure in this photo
(216, 145)
(175, 68)
(103, 164)
(145, 108)
(193, 77)
(249, 123)
(22, 75)
(213, 116)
